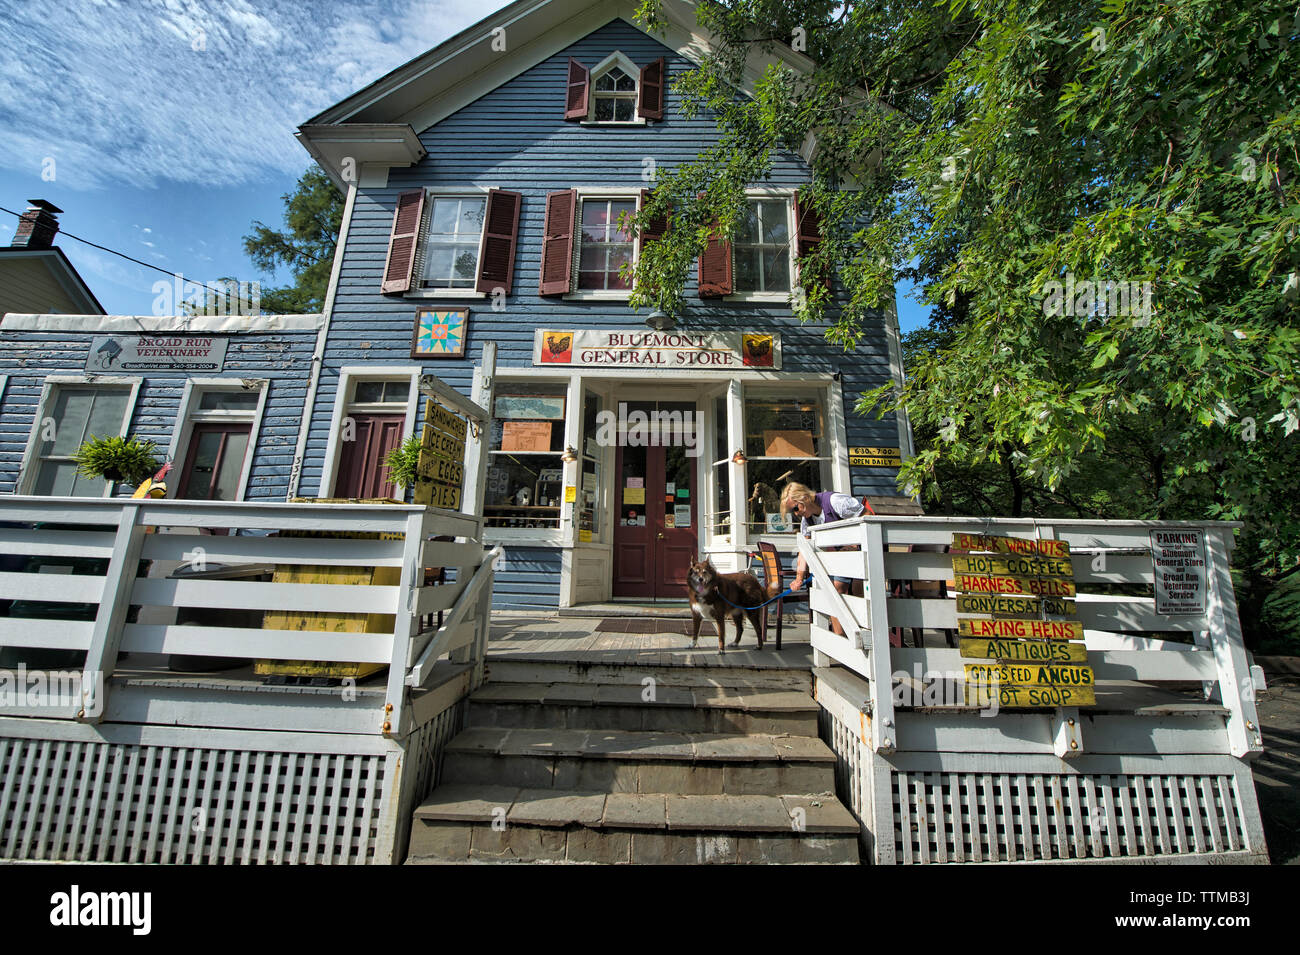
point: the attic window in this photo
(615, 97)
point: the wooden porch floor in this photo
(522, 636)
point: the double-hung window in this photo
(452, 242)
(603, 247)
(761, 247)
(70, 416)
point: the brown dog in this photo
(707, 589)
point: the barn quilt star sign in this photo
(439, 333)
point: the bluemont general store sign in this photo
(641, 349)
(109, 353)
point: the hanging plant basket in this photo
(117, 459)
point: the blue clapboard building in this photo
(485, 181)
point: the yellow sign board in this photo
(1031, 696)
(1020, 629)
(1013, 565)
(441, 470)
(444, 421)
(1030, 651)
(1010, 545)
(1003, 605)
(437, 495)
(584, 536)
(633, 495)
(1026, 586)
(571, 494)
(876, 457)
(1028, 674)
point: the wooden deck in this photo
(553, 638)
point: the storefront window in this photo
(525, 485)
(589, 494)
(719, 518)
(785, 440)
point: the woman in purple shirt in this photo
(814, 509)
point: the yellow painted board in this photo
(1005, 605)
(442, 445)
(875, 452)
(1032, 651)
(1010, 545)
(440, 419)
(1020, 629)
(441, 470)
(1027, 586)
(446, 496)
(1028, 674)
(1031, 696)
(1013, 565)
(874, 462)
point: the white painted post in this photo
(1067, 730)
(884, 734)
(476, 453)
(1236, 686)
(106, 635)
(736, 472)
(404, 624)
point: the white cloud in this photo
(190, 92)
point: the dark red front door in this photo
(214, 462)
(655, 530)
(361, 462)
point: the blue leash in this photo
(785, 593)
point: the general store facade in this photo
(484, 189)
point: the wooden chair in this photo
(774, 581)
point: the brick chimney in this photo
(36, 226)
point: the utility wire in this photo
(105, 248)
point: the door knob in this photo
(660, 535)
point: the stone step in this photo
(487, 823)
(523, 668)
(682, 709)
(609, 761)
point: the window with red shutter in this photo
(654, 229)
(651, 105)
(577, 91)
(500, 233)
(402, 242)
(715, 268)
(557, 243)
(809, 229)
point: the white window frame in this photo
(31, 461)
(432, 193)
(786, 195)
(348, 377)
(607, 193)
(615, 59)
(189, 414)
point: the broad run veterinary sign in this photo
(111, 353)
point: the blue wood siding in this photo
(284, 358)
(529, 579)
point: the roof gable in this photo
(436, 84)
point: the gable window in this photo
(455, 232)
(762, 248)
(615, 97)
(603, 247)
(616, 90)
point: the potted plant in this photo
(403, 461)
(117, 459)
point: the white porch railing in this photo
(122, 534)
(1117, 628)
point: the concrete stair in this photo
(677, 770)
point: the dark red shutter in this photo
(715, 268)
(652, 90)
(557, 243)
(575, 99)
(654, 229)
(496, 255)
(808, 227)
(402, 242)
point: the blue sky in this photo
(163, 128)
